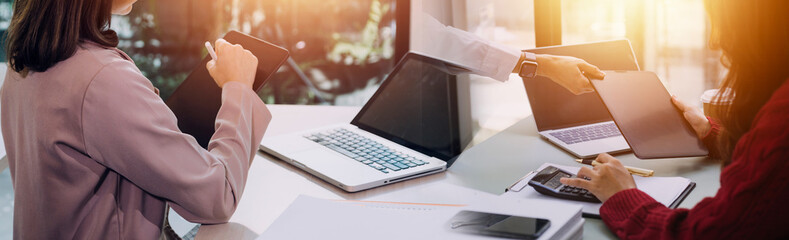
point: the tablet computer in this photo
(197, 100)
(642, 109)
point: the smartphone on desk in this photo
(547, 182)
(498, 225)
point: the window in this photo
(669, 38)
(495, 105)
(345, 48)
(509, 22)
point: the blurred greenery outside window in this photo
(5, 20)
(344, 47)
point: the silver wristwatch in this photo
(528, 68)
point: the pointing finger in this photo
(576, 182)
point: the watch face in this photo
(528, 69)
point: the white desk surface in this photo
(489, 166)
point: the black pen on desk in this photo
(633, 170)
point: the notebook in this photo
(669, 191)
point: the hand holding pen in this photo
(633, 170)
(210, 50)
(236, 65)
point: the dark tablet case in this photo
(197, 100)
(642, 109)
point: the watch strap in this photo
(528, 65)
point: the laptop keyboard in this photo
(588, 133)
(365, 151)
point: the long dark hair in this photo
(754, 39)
(45, 32)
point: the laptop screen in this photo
(416, 106)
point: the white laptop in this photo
(580, 124)
(415, 124)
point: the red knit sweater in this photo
(752, 202)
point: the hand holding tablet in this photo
(642, 109)
(197, 100)
(237, 65)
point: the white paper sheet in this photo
(311, 218)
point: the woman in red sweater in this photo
(750, 136)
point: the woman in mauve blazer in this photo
(94, 152)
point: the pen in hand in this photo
(633, 170)
(210, 50)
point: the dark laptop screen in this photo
(416, 106)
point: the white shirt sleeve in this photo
(481, 56)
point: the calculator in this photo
(547, 182)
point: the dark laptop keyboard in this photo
(365, 151)
(586, 134)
